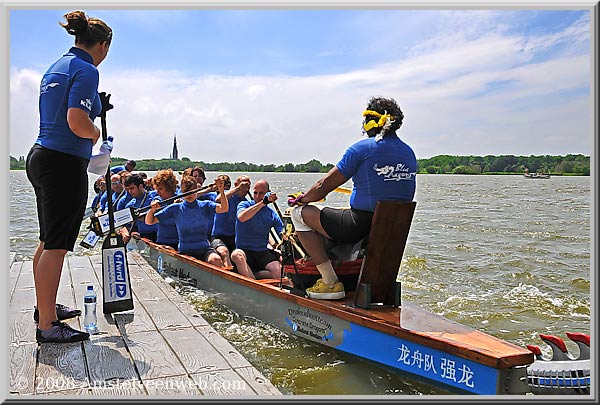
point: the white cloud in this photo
(450, 97)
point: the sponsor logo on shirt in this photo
(394, 173)
(87, 103)
(46, 86)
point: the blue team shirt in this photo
(212, 196)
(122, 203)
(224, 223)
(115, 198)
(193, 221)
(384, 170)
(70, 82)
(167, 229)
(96, 200)
(254, 233)
(117, 169)
(139, 223)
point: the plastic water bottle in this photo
(160, 264)
(99, 161)
(89, 304)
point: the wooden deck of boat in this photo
(163, 347)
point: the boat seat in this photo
(377, 285)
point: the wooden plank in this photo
(107, 356)
(164, 313)
(184, 307)
(222, 383)
(25, 280)
(194, 351)
(387, 239)
(23, 299)
(137, 320)
(233, 357)
(152, 355)
(67, 394)
(60, 367)
(22, 326)
(22, 368)
(13, 276)
(108, 359)
(82, 275)
(259, 383)
(65, 289)
(180, 386)
(127, 389)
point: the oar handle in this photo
(142, 211)
(111, 210)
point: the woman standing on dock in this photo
(69, 102)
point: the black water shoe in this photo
(60, 333)
(62, 312)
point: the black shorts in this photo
(347, 225)
(222, 240)
(60, 183)
(258, 259)
(201, 254)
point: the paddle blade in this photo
(343, 190)
(116, 285)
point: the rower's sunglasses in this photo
(115, 182)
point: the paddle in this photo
(137, 212)
(343, 190)
(116, 285)
(291, 239)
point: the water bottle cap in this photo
(90, 287)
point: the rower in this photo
(254, 221)
(382, 167)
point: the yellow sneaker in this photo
(322, 291)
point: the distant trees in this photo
(441, 164)
(506, 164)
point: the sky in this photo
(279, 86)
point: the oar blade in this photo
(116, 285)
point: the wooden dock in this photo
(161, 348)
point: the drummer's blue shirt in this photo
(167, 229)
(70, 82)
(193, 221)
(254, 233)
(139, 223)
(224, 223)
(384, 170)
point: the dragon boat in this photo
(372, 322)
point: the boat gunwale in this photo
(485, 356)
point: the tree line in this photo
(578, 165)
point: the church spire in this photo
(175, 154)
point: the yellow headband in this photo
(375, 124)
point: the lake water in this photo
(503, 254)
